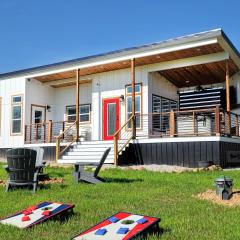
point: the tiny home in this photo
(174, 102)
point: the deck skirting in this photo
(187, 153)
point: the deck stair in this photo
(88, 151)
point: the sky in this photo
(35, 33)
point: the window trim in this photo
(141, 108)
(90, 113)
(11, 117)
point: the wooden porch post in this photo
(227, 87)
(133, 98)
(217, 121)
(237, 126)
(49, 131)
(172, 123)
(77, 103)
(228, 96)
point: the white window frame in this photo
(16, 104)
(128, 92)
(80, 114)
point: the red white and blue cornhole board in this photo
(36, 214)
(114, 227)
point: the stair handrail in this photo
(117, 151)
(60, 152)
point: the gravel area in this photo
(152, 167)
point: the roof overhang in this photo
(203, 48)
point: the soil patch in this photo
(210, 195)
(49, 181)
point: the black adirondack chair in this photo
(22, 168)
(81, 175)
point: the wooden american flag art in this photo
(121, 226)
(37, 214)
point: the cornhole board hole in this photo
(39, 213)
(121, 226)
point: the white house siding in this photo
(9, 87)
(38, 94)
(66, 96)
(112, 84)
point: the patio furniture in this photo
(40, 163)
(22, 168)
(81, 175)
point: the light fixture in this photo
(122, 98)
(49, 108)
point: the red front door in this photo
(110, 117)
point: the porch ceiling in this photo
(176, 76)
(202, 74)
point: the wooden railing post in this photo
(237, 126)
(194, 123)
(57, 149)
(229, 122)
(217, 121)
(115, 149)
(36, 135)
(172, 124)
(63, 127)
(49, 131)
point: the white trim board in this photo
(188, 139)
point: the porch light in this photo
(121, 98)
(49, 108)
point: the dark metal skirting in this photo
(186, 154)
(49, 154)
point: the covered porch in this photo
(198, 68)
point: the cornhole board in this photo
(36, 214)
(121, 226)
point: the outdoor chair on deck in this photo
(81, 175)
(22, 168)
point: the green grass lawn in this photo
(164, 195)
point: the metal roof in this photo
(122, 52)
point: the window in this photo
(138, 104)
(16, 120)
(84, 113)
(160, 105)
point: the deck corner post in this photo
(115, 149)
(57, 149)
(237, 126)
(50, 131)
(77, 103)
(25, 133)
(217, 121)
(133, 98)
(172, 123)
